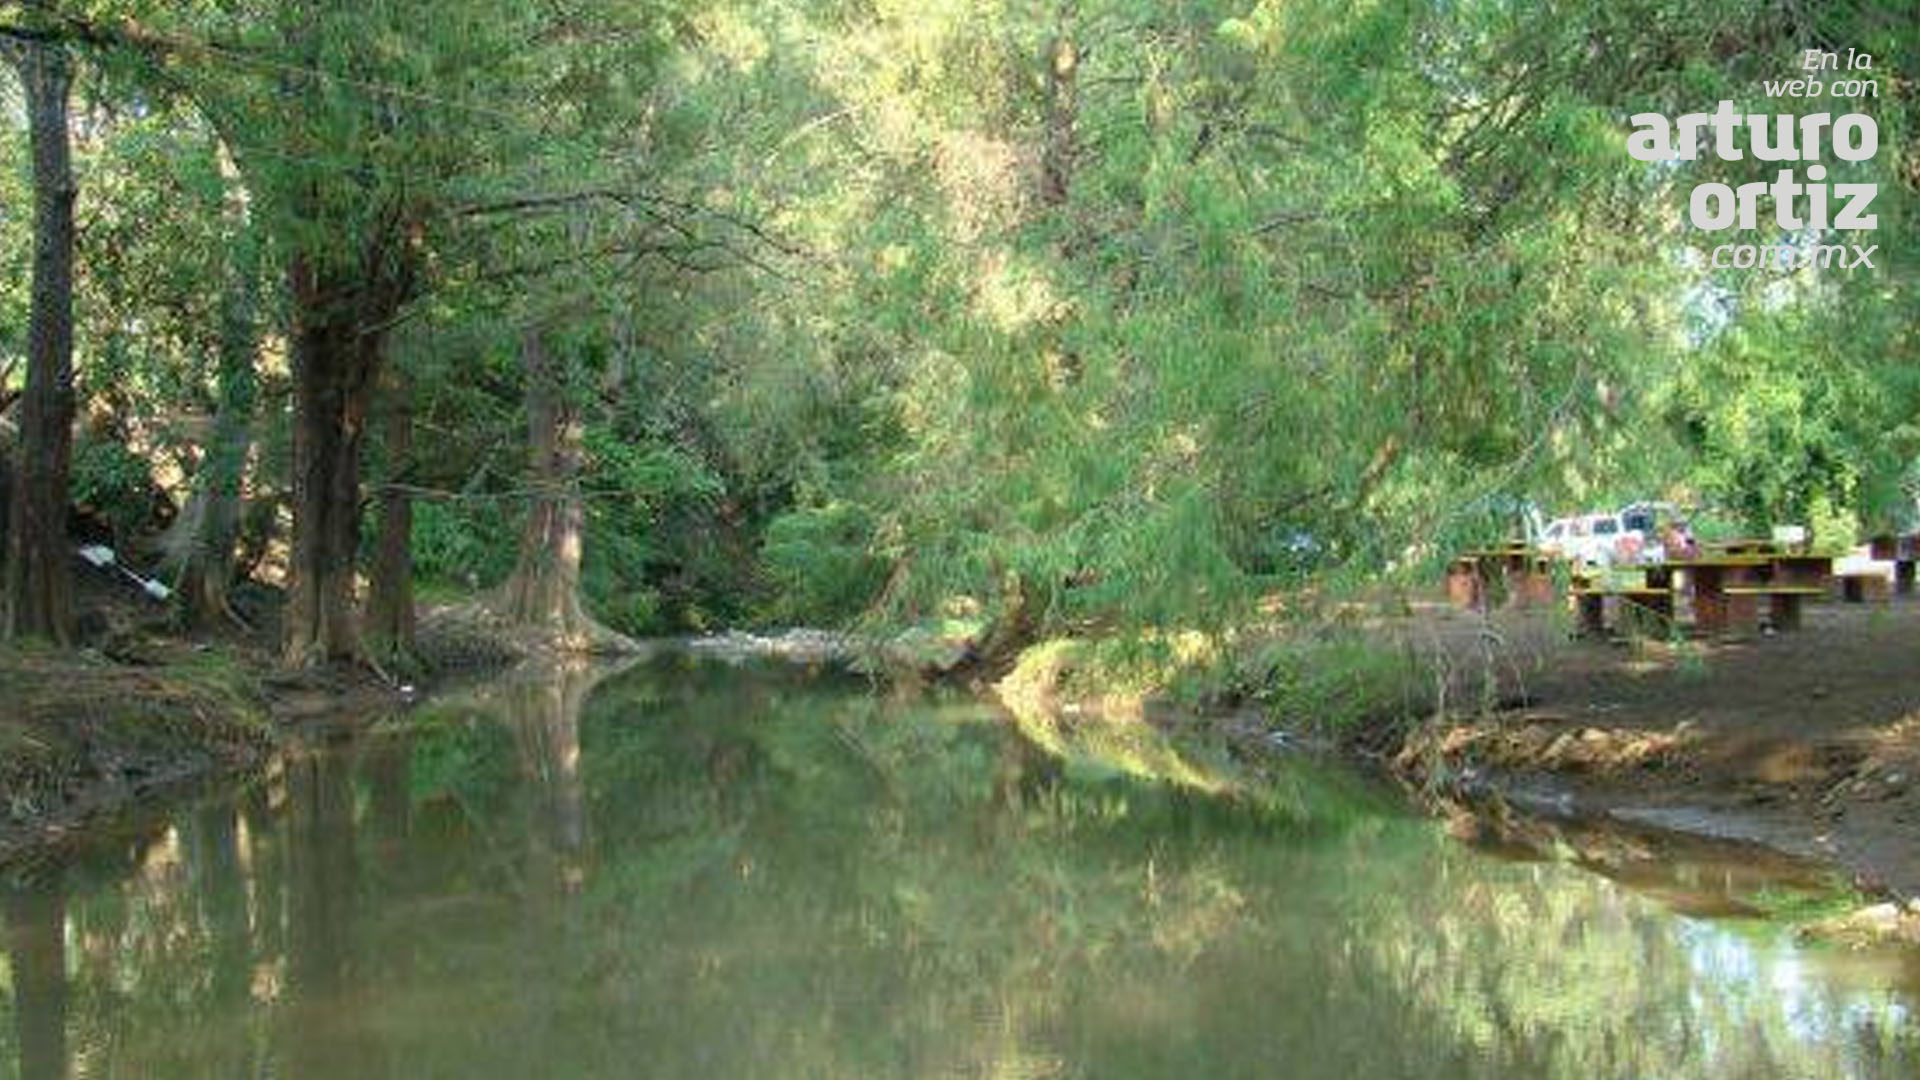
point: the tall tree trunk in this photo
(38, 598)
(544, 590)
(333, 371)
(390, 613)
(340, 320)
(6, 494)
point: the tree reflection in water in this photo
(695, 871)
(36, 913)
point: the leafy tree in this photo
(1086, 316)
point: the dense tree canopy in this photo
(1054, 314)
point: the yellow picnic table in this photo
(1727, 588)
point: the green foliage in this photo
(631, 483)
(820, 563)
(463, 542)
(1311, 294)
(1335, 681)
(16, 243)
(114, 483)
(1287, 325)
(1786, 428)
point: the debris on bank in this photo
(1875, 926)
(917, 652)
(798, 646)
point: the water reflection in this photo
(543, 709)
(36, 914)
(704, 873)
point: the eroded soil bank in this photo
(1809, 742)
(81, 734)
(141, 711)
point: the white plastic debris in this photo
(102, 557)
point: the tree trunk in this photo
(544, 590)
(38, 599)
(340, 321)
(390, 613)
(201, 543)
(6, 494)
(333, 371)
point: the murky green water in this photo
(704, 872)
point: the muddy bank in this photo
(142, 711)
(82, 736)
(1806, 742)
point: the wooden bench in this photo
(1649, 606)
(1514, 575)
(1784, 602)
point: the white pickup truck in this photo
(1622, 539)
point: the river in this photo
(688, 869)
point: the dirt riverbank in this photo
(82, 735)
(1808, 742)
(140, 711)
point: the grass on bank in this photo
(1330, 677)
